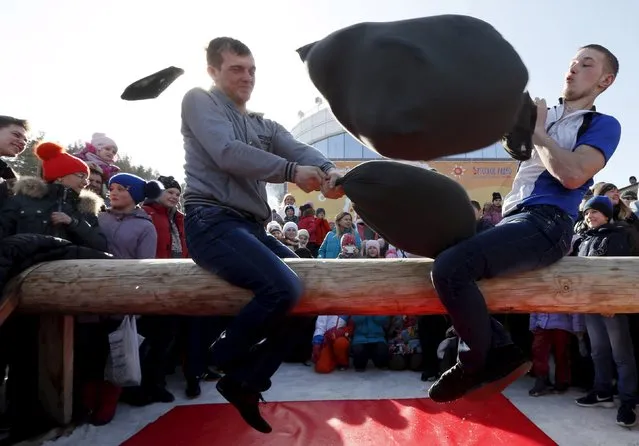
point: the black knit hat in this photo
(496, 196)
(600, 203)
(169, 183)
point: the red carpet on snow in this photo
(492, 422)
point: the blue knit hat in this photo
(138, 188)
(600, 203)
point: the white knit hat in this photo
(374, 243)
(100, 140)
(289, 225)
(273, 226)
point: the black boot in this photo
(503, 366)
(193, 388)
(246, 402)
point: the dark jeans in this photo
(375, 351)
(610, 343)
(239, 251)
(159, 337)
(198, 333)
(535, 237)
(432, 331)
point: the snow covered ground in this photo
(556, 415)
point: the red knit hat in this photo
(57, 163)
(348, 239)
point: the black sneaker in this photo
(593, 399)
(540, 388)
(193, 389)
(626, 415)
(246, 402)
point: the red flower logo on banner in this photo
(458, 171)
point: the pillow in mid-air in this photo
(422, 88)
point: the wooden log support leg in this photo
(55, 365)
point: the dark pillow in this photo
(414, 209)
(422, 88)
(152, 86)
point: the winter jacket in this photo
(370, 329)
(403, 338)
(21, 251)
(551, 321)
(321, 229)
(331, 247)
(609, 240)
(7, 180)
(492, 213)
(29, 211)
(161, 217)
(89, 154)
(130, 236)
(308, 223)
(325, 323)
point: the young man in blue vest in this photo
(572, 143)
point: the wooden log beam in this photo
(354, 286)
(55, 365)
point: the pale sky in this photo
(64, 63)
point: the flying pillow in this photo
(422, 88)
(412, 208)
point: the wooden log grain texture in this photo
(353, 286)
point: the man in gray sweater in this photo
(231, 153)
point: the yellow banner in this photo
(479, 178)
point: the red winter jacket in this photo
(308, 223)
(160, 216)
(321, 229)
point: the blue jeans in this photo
(535, 237)
(239, 251)
(610, 340)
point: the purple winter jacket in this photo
(129, 236)
(548, 321)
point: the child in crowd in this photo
(274, 229)
(322, 227)
(403, 344)
(369, 341)
(609, 334)
(331, 343)
(307, 219)
(288, 200)
(302, 237)
(102, 151)
(290, 236)
(553, 332)
(289, 215)
(482, 223)
(372, 249)
(302, 251)
(132, 235)
(128, 228)
(348, 247)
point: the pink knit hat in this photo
(100, 140)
